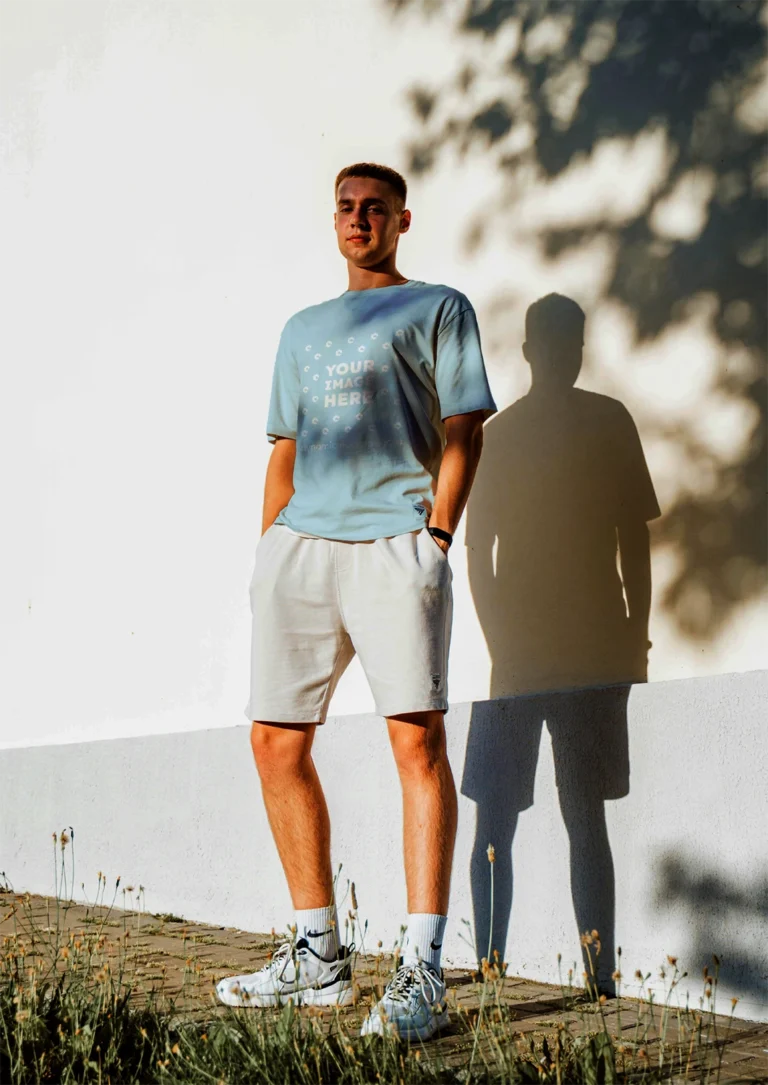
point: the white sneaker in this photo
(295, 974)
(413, 1005)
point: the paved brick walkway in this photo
(185, 960)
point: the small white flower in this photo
(306, 369)
(358, 417)
(317, 356)
(315, 399)
(305, 433)
(398, 425)
(325, 429)
(305, 390)
(316, 377)
(361, 350)
(351, 339)
(386, 346)
(304, 410)
(400, 333)
(315, 421)
(347, 429)
(329, 343)
(338, 353)
(385, 369)
(337, 418)
(308, 346)
(375, 335)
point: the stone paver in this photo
(182, 961)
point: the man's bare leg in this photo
(414, 1001)
(310, 967)
(296, 809)
(429, 808)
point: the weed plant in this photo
(70, 1011)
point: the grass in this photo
(71, 1011)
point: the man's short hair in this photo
(554, 317)
(378, 173)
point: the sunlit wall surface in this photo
(166, 200)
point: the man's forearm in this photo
(464, 443)
(278, 484)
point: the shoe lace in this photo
(406, 978)
(284, 952)
(279, 957)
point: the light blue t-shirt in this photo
(362, 383)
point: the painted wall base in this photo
(683, 838)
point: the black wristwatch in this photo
(438, 533)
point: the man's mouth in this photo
(358, 237)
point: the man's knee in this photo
(418, 743)
(279, 749)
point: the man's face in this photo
(369, 220)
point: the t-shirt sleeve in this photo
(635, 493)
(284, 401)
(460, 377)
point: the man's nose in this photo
(360, 220)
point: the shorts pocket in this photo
(433, 560)
(261, 561)
(435, 545)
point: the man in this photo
(377, 408)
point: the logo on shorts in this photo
(436, 680)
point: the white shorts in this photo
(315, 602)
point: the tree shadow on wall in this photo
(562, 487)
(718, 915)
(544, 88)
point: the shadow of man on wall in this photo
(562, 489)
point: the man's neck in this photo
(369, 278)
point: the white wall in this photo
(167, 198)
(166, 193)
(182, 816)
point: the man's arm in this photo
(278, 485)
(463, 445)
(635, 557)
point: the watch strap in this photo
(438, 533)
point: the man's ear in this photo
(405, 221)
(527, 352)
(334, 220)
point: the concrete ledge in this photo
(182, 815)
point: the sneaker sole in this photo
(337, 994)
(423, 1032)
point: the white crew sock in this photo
(320, 928)
(424, 939)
